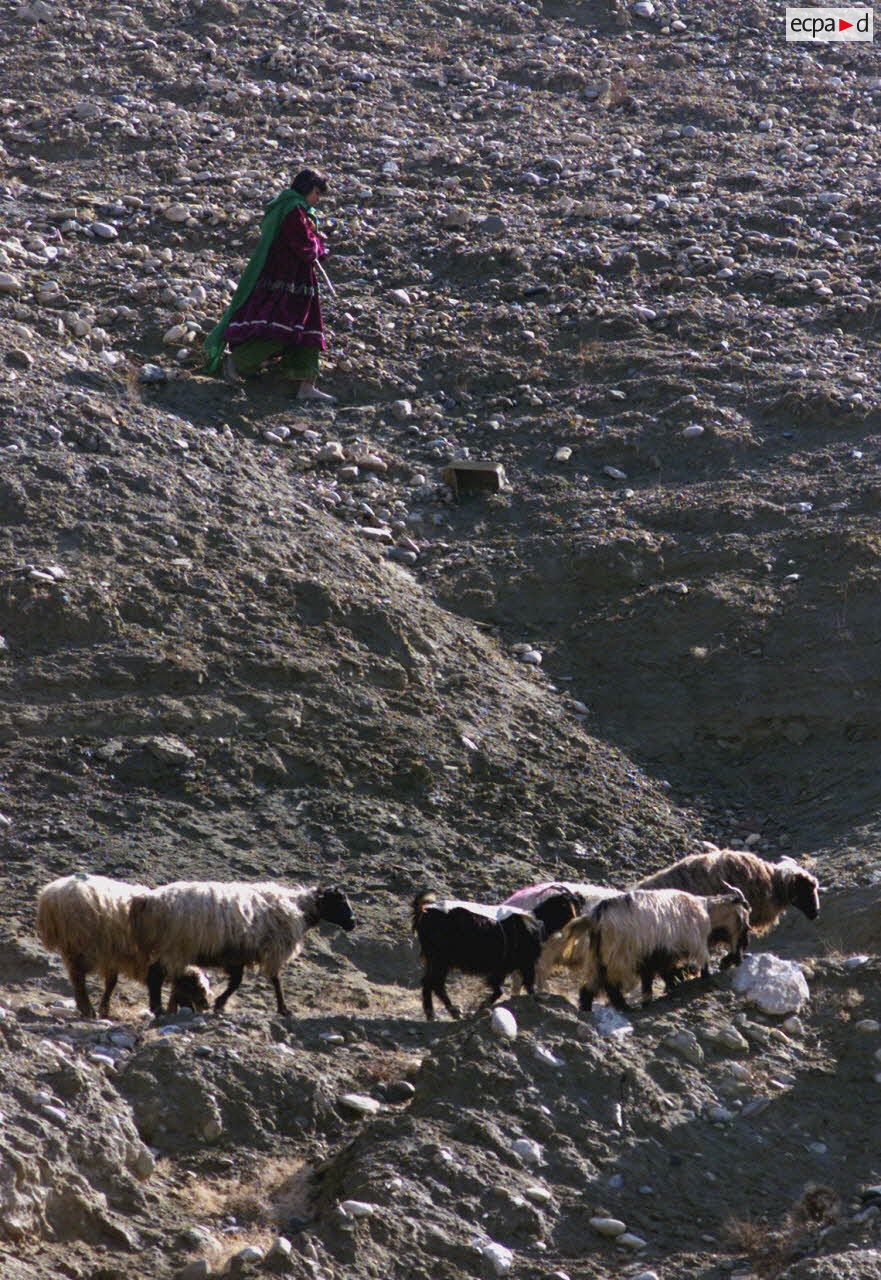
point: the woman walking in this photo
(275, 311)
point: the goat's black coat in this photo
(471, 943)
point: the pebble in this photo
(693, 432)
(685, 1044)
(611, 1228)
(104, 231)
(504, 1024)
(249, 1256)
(614, 473)
(153, 373)
(9, 283)
(360, 1103)
(177, 213)
(358, 1209)
(401, 296)
(402, 410)
(727, 1038)
(563, 454)
(528, 1151)
(538, 1194)
(645, 1275)
(643, 9)
(499, 1258)
(856, 962)
(195, 1270)
(631, 1241)
(349, 474)
(280, 1251)
(532, 657)
(868, 1025)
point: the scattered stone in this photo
(401, 296)
(500, 1259)
(563, 454)
(9, 283)
(358, 1209)
(359, 1103)
(528, 1151)
(726, 1039)
(614, 473)
(104, 231)
(685, 1044)
(693, 432)
(631, 1241)
(504, 1024)
(775, 986)
(611, 1228)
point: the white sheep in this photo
(85, 919)
(645, 933)
(768, 887)
(231, 926)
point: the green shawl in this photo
(276, 212)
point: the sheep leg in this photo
(585, 998)
(234, 973)
(155, 978)
(427, 1002)
(279, 996)
(647, 980)
(110, 980)
(77, 975)
(516, 983)
(528, 976)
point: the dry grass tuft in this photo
(770, 1252)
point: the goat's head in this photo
(333, 906)
(557, 910)
(804, 889)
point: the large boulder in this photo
(773, 985)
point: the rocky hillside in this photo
(628, 252)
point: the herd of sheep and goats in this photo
(607, 940)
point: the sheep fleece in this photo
(87, 917)
(222, 923)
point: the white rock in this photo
(177, 213)
(104, 231)
(693, 432)
(607, 1021)
(499, 1258)
(614, 473)
(531, 657)
(645, 1275)
(504, 1024)
(775, 986)
(643, 9)
(9, 283)
(538, 1194)
(856, 962)
(402, 409)
(281, 1250)
(608, 1227)
(401, 296)
(529, 1152)
(174, 336)
(685, 1044)
(563, 454)
(249, 1255)
(631, 1241)
(358, 1209)
(868, 1025)
(360, 1102)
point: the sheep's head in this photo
(333, 906)
(804, 890)
(557, 910)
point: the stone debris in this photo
(775, 986)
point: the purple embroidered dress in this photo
(284, 304)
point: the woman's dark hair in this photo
(306, 179)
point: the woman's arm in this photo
(299, 236)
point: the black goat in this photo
(487, 941)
